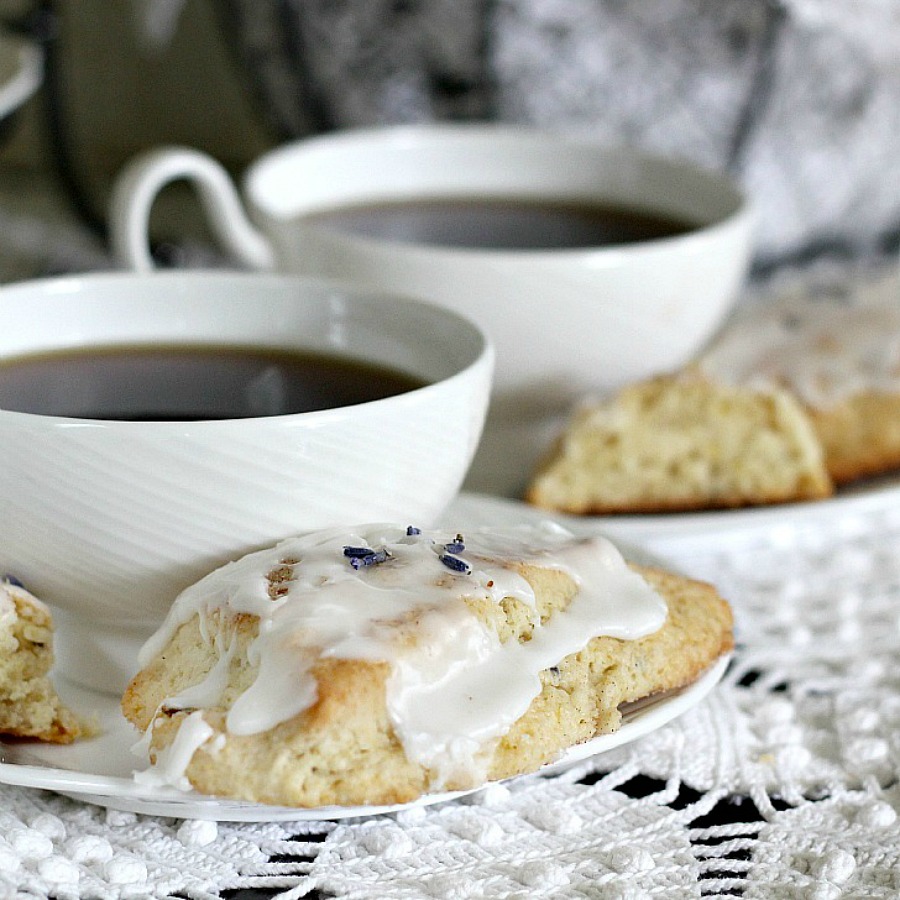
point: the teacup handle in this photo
(140, 181)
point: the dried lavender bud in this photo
(411, 530)
(361, 557)
(455, 563)
(11, 579)
(358, 552)
(455, 546)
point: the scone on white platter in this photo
(680, 442)
(838, 353)
(29, 704)
(376, 664)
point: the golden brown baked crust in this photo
(860, 436)
(343, 749)
(29, 704)
(682, 442)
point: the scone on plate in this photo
(29, 704)
(860, 435)
(838, 352)
(375, 665)
(682, 442)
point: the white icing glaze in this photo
(453, 688)
(172, 762)
(823, 349)
(7, 606)
(9, 592)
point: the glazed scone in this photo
(682, 442)
(838, 355)
(372, 667)
(29, 704)
(860, 436)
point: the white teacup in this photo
(107, 520)
(565, 322)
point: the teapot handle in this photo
(140, 181)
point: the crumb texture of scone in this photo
(682, 442)
(476, 659)
(29, 704)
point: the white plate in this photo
(99, 770)
(676, 531)
(21, 71)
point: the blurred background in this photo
(798, 99)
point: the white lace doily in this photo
(783, 784)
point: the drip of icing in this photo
(453, 685)
(209, 691)
(172, 762)
(825, 351)
(451, 708)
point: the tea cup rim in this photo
(481, 352)
(736, 205)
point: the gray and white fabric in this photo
(798, 99)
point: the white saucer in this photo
(99, 770)
(680, 531)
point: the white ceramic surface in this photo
(678, 537)
(565, 322)
(107, 521)
(99, 770)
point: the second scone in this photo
(682, 442)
